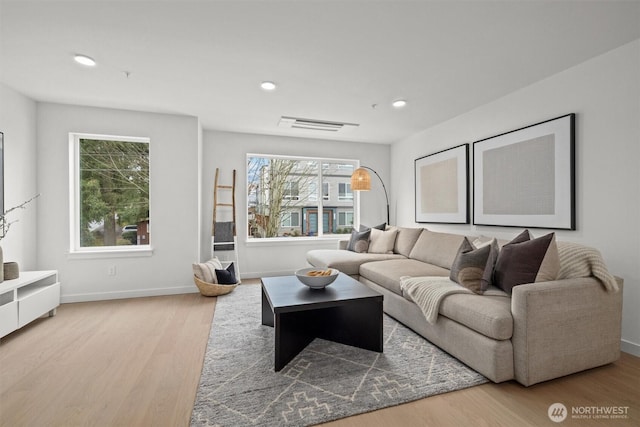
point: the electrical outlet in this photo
(111, 271)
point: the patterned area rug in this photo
(326, 381)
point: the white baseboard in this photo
(138, 293)
(630, 347)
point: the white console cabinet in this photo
(26, 298)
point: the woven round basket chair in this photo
(213, 289)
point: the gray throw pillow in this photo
(359, 241)
(487, 276)
(469, 265)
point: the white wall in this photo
(18, 123)
(174, 180)
(228, 151)
(604, 92)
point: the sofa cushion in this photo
(406, 239)
(359, 241)
(387, 273)
(489, 315)
(346, 261)
(436, 248)
(382, 242)
(530, 261)
(469, 265)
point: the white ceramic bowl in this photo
(316, 282)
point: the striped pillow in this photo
(206, 271)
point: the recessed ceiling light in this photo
(268, 85)
(84, 60)
(399, 103)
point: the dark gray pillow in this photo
(359, 241)
(227, 276)
(488, 276)
(530, 261)
(469, 265)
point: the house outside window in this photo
(109, 193)
(282, 199)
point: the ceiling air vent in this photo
(312, 124)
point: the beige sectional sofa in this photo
(541, 331)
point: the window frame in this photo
(75, 250)
(321, 201)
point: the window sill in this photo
(277, 241)
(101, 253)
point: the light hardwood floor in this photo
(137, 362)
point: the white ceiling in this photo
(332, 60)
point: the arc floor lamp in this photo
(361, 181)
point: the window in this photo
(313, 191)
(344, 191)
(110, 193)
(345, 219)
(291, 190)
(282, 199)
(290, 219)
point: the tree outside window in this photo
(113, 192)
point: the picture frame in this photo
(442, 186)
(526, 177)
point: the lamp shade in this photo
(360, 180)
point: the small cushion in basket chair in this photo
(206, 271)
(227, 276)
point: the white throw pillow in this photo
(382, 242)
(206, 271)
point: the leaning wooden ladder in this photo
(223, 233)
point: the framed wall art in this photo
(526, 177)
(442, 186)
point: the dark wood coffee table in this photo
(346, 311)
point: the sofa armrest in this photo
(342, 244)
(564, 326)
